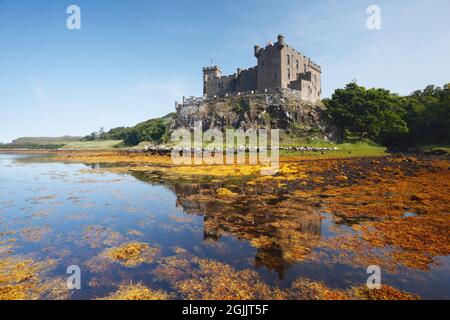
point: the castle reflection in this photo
(283, 230)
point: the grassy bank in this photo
(435, 147)
(92, 145)
(361, 148)
(63, 145)
(349, 148)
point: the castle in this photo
(279, 66)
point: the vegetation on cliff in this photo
(277, 109)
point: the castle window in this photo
(288, 59)
(305, 68)
(289, 74)
(297, 64)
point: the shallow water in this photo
(73, 212)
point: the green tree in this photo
(153, 130)
(428, 115)
(131, 136)
(368, 113)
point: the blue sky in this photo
(132, 59)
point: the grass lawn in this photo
(351, 148)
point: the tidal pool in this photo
(175, 232)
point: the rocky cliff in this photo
(276, 109)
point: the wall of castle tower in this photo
(295, 66)
(316, 85)
(247, 80)
(308, 87)
(279, 66)
(308, 92)
(269, 61)
(313, 85)
(220, 86)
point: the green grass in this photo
(65, 145)
(360, 149)
(91, 145)
(433, 147)
(350, 148)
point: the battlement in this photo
(189, 101)
(279, 66)
(211, 68)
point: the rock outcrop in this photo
(277, 109)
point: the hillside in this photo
(154, 130)
(45, 140)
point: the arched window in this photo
(289, 74)
(288, 59)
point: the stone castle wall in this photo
(242, 80)
(278, 66)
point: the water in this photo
(73, 212)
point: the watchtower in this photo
(211, 72)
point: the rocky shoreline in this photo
(166, 150)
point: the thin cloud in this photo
(173, 87)
(41, 99)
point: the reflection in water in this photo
(76, 216)
(283, 234)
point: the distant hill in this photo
(154, 130)
(45, 140)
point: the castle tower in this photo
(211, 72)
(279, 66)
(281, 40)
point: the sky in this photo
(131, 60)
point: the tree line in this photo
(153, 130)
(395, 121)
